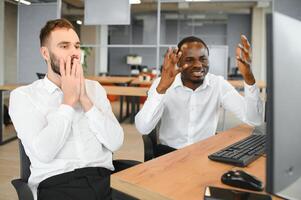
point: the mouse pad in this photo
(215, 193)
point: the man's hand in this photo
(243, 60)
(70, 81)
(169, 69)
(83, 98)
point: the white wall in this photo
(88, 35)
(237, 24)
(31, 20)
(10, 44)
(1, 41)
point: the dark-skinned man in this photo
(187, 99)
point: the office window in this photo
(118, 64)
(217, 23)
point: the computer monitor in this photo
(284, 101)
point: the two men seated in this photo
(69, 132)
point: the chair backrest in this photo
(40, 75)
(24, 163)
(150, 144)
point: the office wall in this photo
(141, 31)
(10, 43)
(88, 35)
(1, 41)
(31, 20)
(237, 24)
(172, 31)
(290, 8)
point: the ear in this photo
(45, 53)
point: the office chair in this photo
(152, 148)
(24, 192)
(150, 145)
(20, 184)
(40, 75)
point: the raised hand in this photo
(70, 81)
(169, 69)
(243, 60)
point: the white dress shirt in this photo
(189, 116)
(58, 138)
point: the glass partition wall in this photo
(157, 25)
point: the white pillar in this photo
(259, 43)
(101, 58)
(2, 41)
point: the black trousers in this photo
(161, 150)
(91, 183)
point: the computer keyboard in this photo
(243, 152)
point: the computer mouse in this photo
(241, 179)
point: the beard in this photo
(205, 70)
(54, 63)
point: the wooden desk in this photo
(112, 79)
(183, 174)
(9, 87)
(136, 81)
(133, 92)
(126, 91)
(240, 84)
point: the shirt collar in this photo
(178, 82)
(49, 85)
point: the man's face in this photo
(195, 56)
(62, 43)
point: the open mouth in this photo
(199, 72)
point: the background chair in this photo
(40, 75)
(153, 149)
(21, 186)
(150, 145)
(24, 192)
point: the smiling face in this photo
(195, 56)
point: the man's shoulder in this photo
(93, 84)
(94, 87)
(27, 89)
(215, 79)
(214, 76)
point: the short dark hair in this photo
(50, 26)
(192, 39)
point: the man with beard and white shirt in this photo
(65, 123)
(187, 99)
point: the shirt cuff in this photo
(67, 111)
(251, 90)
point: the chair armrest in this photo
(148, 148)
(23, 190)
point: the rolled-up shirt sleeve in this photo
(102, 121)
(151, 112)
(248, 108)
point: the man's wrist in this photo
(69, 102)
(249, 79)
(86, 103)
(161, 90)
